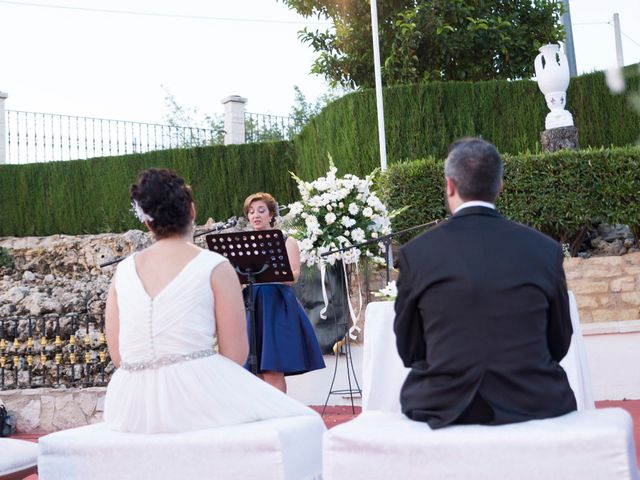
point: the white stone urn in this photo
(552, 73)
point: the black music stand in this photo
(258, 257)
(342, 343)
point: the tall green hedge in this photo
(556, 193)
(422, 120)
(90, 196)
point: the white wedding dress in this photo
(170, 379)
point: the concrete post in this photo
(3, 129)
(234, 119)
(616, 27)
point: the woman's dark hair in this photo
(164, 196)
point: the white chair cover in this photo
(286, 448)
(16, 456)
(586, 445)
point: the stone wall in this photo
(606, 288)
(45, 410)
(61, 274)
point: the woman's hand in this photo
(112, 324)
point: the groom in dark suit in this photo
(482, 313)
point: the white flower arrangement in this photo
(336, 212)
(390, 292)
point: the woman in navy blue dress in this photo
(286, 342)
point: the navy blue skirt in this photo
(285, 338)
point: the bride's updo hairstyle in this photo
(163, 196)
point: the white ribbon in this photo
(323, 271)
(354, 329)
(354, 318)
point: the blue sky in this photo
(109, 65)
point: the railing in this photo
(268, 128)
(43, 137)
(53, 350)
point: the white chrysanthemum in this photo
(347, 221)
(367, 212)
(315, 201)
(330, 217)
(295, 209)
(358, 235)
(353, 209)
(306, 244)
(311, 221)
(351, 256)
(390, 291)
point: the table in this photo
(383, 372)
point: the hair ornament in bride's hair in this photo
(139, 213)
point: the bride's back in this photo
(173, 318)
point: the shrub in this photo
(556, 193)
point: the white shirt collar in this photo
(475, 203)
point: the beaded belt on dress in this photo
(165, 361)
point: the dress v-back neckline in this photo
(169, 283)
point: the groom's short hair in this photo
(476, 168)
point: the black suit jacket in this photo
(482, 309)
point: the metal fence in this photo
(44, 137)
(53, 350)
(260, 127)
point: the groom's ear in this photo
(451, 188)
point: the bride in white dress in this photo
(168, 307)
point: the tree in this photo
(422, 40)
(303, 110)
(259, 128)
(185, 118)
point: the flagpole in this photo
(378, 78)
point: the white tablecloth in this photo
(383, 372)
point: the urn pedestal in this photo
(562, 138)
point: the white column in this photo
(3, 129)
(234, 119)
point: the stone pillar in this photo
(234, 119)
(561, 138)
(3, 129)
